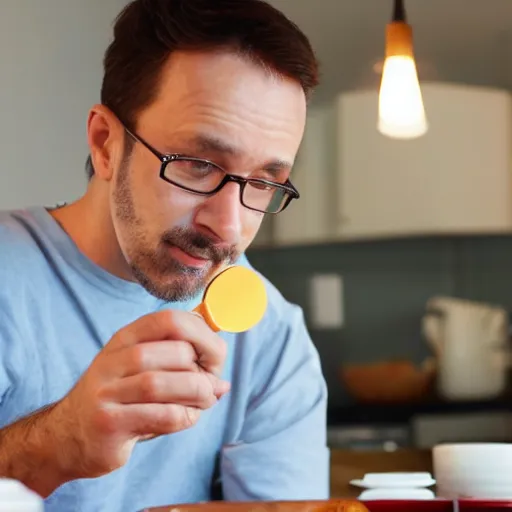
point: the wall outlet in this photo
(326, 301)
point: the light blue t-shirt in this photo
(58, 309)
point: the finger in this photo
(153, 356)
(194, 389)
(157, 419)
(175, 325)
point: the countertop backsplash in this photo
(386, 285)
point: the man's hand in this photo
(154, 377)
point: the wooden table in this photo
(298, 506)
(348, 465)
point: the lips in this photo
(196, 248)
(190, 260)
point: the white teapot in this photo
(470, 341)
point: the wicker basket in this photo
(388, 381)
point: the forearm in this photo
(31, 452)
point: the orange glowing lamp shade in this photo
(234, 301)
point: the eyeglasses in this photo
(206, 178)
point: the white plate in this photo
(395, 483)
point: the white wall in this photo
(50, 75)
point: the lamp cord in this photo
(399, 11)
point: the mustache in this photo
(199, 245)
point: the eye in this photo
(279, 176)
(261, 186)
(199, 166)
(194, 168)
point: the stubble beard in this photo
(157, 272)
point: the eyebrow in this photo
(213, 145)
(210, 144)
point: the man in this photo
(114, 396)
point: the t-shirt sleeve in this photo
(282, 453)
(10, 358)
(11, 294)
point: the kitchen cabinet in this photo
(456, 179)
(310, 218)
(356, 183)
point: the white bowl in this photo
(473, 470)
(396, 494)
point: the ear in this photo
(105, 136)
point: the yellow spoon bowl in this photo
(234, 301)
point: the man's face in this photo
(222, 108)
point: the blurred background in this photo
(399, 250)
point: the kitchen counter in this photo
(402, 413)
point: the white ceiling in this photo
(455, 40)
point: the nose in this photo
(221, 214)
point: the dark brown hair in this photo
(146, 32)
